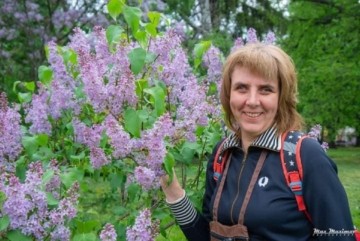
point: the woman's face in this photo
(253, 102)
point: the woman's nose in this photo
(252, 98)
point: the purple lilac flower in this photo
(53, 186)
(98, 157)
(237, 44)
(119, 139)
(89, 136)
(146, 177)
(315, 133)
(62, 85)
(94, 86)
(26, 204)
(152, 141)
(10, 132)
(60, 232)
(27, 208)
(251, 36)
(172, 67)
(37, 113)
(108, 233)
(143, 229)
(121, 86)
(270, 38)
(213, 63)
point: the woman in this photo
(258, 95)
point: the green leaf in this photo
(169, 163)
(24, 97)
(69, 55)
(51, 201)
(132, 17)
(30, 86)
(16, 235)
(140, 84)
(42, 139)
(47, 176)
(154, 18)
(116, 180)
(137, 59)
(73, 175)
(113, 34)
(157, 98)
(30, 144)
(84, 227)
(4, 222)
(85, 237)
(132, 122)
(199, 51)
(150, 57)
(115, 7)
(45, 74)
(133, 189)
(151, 29)
(21, 168)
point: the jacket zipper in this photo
(238, 189)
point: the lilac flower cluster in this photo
(315, 133)
(150, 151)
(37, 113)
(10, 132)
(172, 67)
(95, 68)
(108, 233)
(90, 137)
(270, 38)
(119, 139)
(212, 60)
(143, 229)
(27, 208)
(62, 86)
(17, 19)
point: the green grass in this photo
(348, 162)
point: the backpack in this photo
(291, 165)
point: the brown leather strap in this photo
(254, 177)
(226, 158)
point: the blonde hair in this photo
(272, 63)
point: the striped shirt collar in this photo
(268, 140)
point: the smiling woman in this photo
(253, 103)
(251, 200)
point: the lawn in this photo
(348, 162)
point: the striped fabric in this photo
(184, 211)
(268, 140)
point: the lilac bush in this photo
(10, 132)
(111, 107)
(27, 206)
(143, 229)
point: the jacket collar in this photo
(268, 140)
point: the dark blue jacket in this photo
(272, 213)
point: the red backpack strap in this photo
(357, 235)
(219, 161)
(292, 166)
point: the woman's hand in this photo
(173, 190)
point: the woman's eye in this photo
(266, 90)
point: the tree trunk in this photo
(206, 23)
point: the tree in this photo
(323, 39)
(229, 17)
(27, 25)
